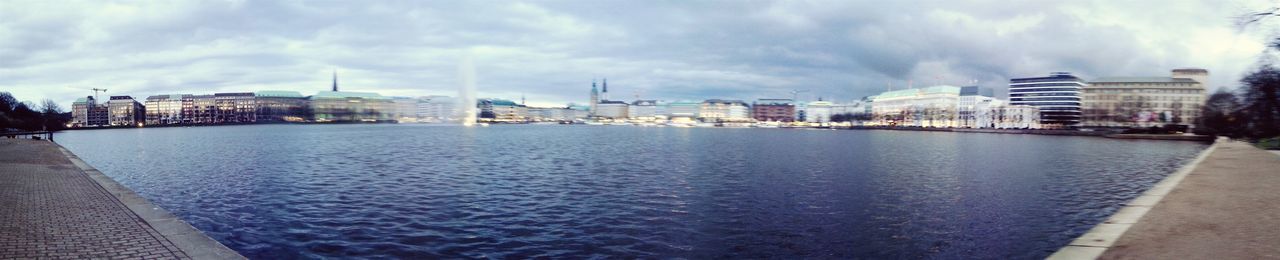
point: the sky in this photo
(550, 51)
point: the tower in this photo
(605, 86)
(335, 80)
(595, 98)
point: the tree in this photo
(1221, 115)
(52, 115)
(1261, 100)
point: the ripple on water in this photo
(405, 191)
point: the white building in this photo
(644, 110)
(436, 109)
(925, 107)
(612, 109)
(683, 111)
(719, 110)
(1145, 101)
(818, 112)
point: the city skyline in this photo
(548, 51)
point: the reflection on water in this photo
(311, 191)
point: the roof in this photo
(82, 100)
(278, 93)
(723, 101)
(612, 102)
(345, 94)
(167, 97)
(1142, 80)
(497, 102)
(941, 89)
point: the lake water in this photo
(423, 191)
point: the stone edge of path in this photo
(187, 238)
(1091, 244)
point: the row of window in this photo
(1015, 90)
(1059, 94)
(1046, 103)
(1157, 91)
(1045, 99)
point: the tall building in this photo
(1145, 101)
(335, 80)
(1057, 96)
(125, 111)
(773, 110)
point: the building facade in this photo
(437, 109)
(721, 110)
(1145, 101)
(934, 106)
(774, 110)
(344, 106)
(165, 109)
(644, 110)
(1058, 97)
(125, 111)
(818, 112)
(87, 112)
(281, 106)
(683, 111)
(501, 110)
(235, 108)
(610, 109)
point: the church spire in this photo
(335, 80)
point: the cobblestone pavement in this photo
(49, 208)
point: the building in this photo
(344, 106)
(1008, 117)
(683, 111)
(203, 110)
(1057, 96)
(235, 108)
(818, 112)
(595, 99)
(973, 101)
(165, 109)
(925, 107)
(281, 106)
(125, 111)
(720, 110)
(501, 110)
(610, 109)
(404, 109)
(644, 110)
(88, 112)
(437, 109)
(1145, 101)
(773, 110)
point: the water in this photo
(420, 191)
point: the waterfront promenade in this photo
(1223, 207)
(57, 207)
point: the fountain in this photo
(467, 92)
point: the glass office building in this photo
(1056, 96)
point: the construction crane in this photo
(95, 91)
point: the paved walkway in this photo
(1228, 207)
(55, 206)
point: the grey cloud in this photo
(552, 49)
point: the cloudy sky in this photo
(550, 51)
